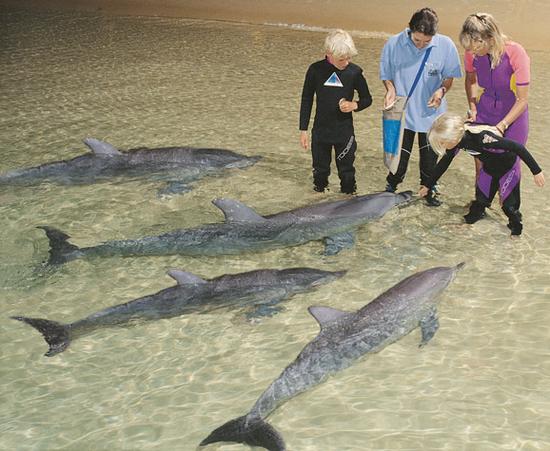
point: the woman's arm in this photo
(522, 94)
(471, 88)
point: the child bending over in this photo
(500, 170)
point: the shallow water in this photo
(482, 382)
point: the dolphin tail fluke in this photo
(249, 432)
(61, 251)
(55, 334)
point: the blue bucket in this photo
(391, 130)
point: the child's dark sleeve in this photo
(362, 88)
(308, 92)
(441, 166)
(512, 146)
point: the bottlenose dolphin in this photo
(244, 230)
(344, 337)
(259, 290)
(179, 166)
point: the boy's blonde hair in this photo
(339, 43)
(482, 29)
(447, 127)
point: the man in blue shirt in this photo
(400, 61)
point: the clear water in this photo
(481, 384)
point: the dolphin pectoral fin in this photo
(174, 187)
(429, 326)
(101, 148)
(335, 243)
(184, 277)
(268, 306)
(235, 211)
(262, 311)
(249, 432)
(55, 334)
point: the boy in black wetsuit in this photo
(333, 81)
(500, 158)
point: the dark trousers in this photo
(428, 159)
(510, 206)
(321, 152)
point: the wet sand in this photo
(524, 22)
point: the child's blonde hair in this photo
(482, 29)
(339, 43)
(446, 128)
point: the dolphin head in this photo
(228, 159)
(306, 278)
(403, 197)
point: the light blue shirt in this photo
(400, 62)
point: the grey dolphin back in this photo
(235, 211)
(184, 277)
(344, 338)
(101, 148)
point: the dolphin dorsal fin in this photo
(101, 148)
(235, 211)
(184, 278)
(325, 315)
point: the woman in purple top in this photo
(501, 68)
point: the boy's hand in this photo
(304, 141)
(539, 179)
(347, 106)
(423, 191)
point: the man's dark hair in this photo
(424, 21)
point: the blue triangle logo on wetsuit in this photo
(334, 81)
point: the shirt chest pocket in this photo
(432, 71)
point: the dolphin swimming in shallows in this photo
(244, 230)
(179, 166)
(258, 291)
(344, 337)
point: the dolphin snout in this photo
(330, 276)
(244, 162)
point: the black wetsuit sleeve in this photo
(362, 88)
(441, 166)
(306, 105)
(514, 147)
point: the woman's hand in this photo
(472, 114)
(389, 98)
(436, 98)
(539, 179)
(304, 141)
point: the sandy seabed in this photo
(524, 21)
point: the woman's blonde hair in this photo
(482, 29)
(340, 44)
(446, 128)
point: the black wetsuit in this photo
(331, 127)
(500, 172)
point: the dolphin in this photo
(244, 230)
(260, 290)
(179, 166)
(344, 337)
